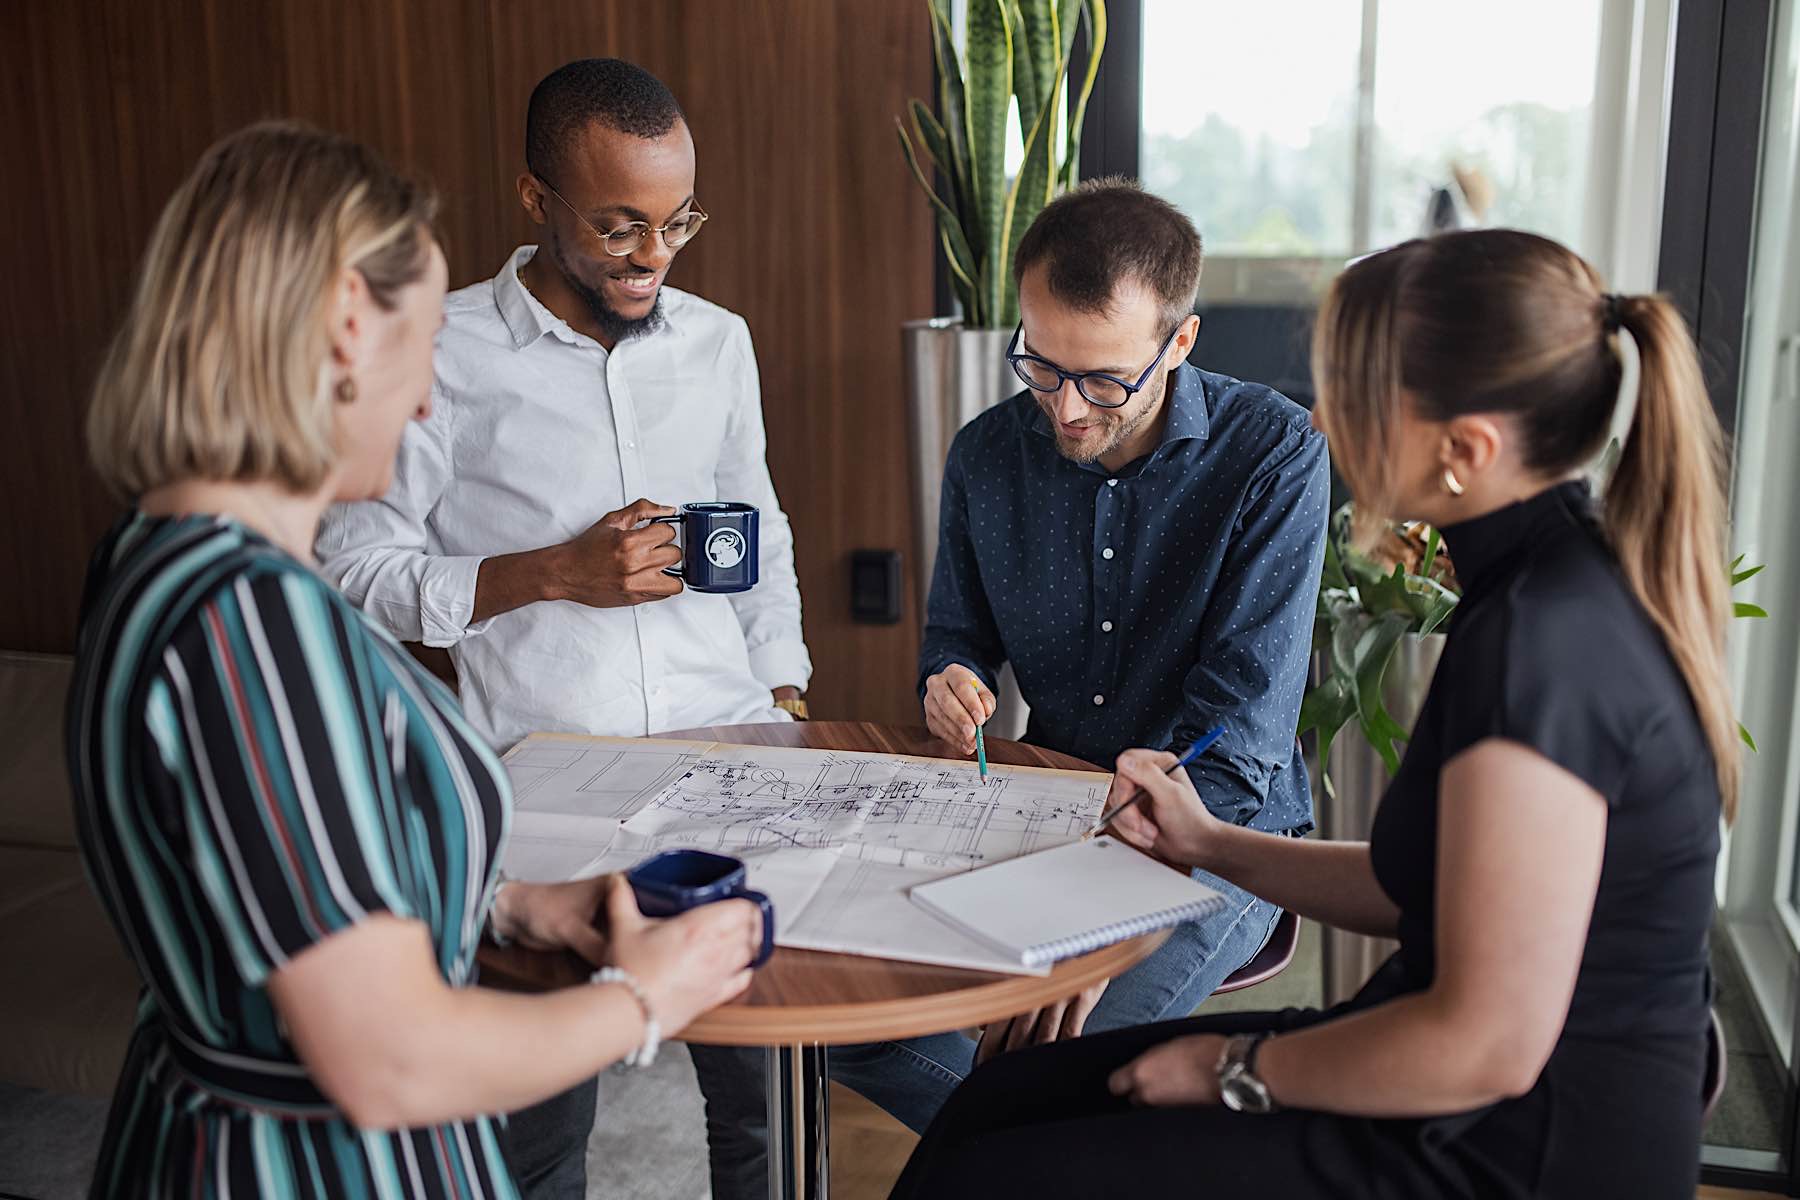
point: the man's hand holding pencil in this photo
(957, 703)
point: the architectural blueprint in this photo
(835, 838)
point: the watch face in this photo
(1243, 1092)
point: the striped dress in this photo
(255, 768)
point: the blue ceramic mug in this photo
(676, 880)
(719, 541)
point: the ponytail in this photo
(1665, 515)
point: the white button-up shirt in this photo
(536, 432)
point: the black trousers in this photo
(1605, 1120)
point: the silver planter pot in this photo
(1360, 778)
(953, 375)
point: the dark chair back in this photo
(1271, 960)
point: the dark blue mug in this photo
(718, 545)
(676, 880)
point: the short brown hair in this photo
(219, 369)
(1107, 231)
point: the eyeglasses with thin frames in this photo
(1096, 387)
(628, 237)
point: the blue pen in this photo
(1194, 751)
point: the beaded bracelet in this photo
(645, 1054)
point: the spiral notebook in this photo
(1066, 901)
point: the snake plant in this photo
(1014, 50)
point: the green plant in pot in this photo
(1014, 49)
(1367, 604)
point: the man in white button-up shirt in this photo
(571, 387)
(507, 536)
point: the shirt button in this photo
(1112, 483)
(1106, 627)
(1106, 553)
(1098, 700)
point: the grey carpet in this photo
(649, 1143)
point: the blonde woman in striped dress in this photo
(290, 824)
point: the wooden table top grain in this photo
(809, 996)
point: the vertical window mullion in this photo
(1362, 196)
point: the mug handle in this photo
(768, 924)
(676, 520)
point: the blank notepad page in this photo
(1066, 901)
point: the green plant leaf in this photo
(1745, 609)
(1748, 740)
(963, 285)
(952, 102)
(1325, 709)
(1332, 577)
(1096, 24)
(956, 249)
(1387, 593)
(1738, 576)
(1431, 553)
(936, 140)
(1034, 53)
(1373, 650)
(1030, 191)
(989, 84)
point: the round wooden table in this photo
(803, 1001)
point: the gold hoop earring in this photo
(346, 390)
(1452, 484)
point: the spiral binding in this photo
(1119, 931)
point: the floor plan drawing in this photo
(837, 838)
(902, 808)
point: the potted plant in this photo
(1011, 51)
(1370, 607)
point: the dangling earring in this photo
(346, 390)
(1452, 484)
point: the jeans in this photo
(911, 1079)
(546, 1144)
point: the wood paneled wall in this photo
(818, 237)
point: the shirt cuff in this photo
(447, 599)
(783, 663)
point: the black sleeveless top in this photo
(1550, 649)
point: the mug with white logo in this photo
(718, 545)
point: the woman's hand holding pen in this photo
(953, 708)
(1170, 821)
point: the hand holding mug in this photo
(688, 963)
(620, 561)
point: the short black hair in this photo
(1108, 230)
(618, 94)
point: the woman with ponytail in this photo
(1544, 856)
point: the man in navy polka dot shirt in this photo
(1142, 541)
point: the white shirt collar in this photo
(528, 320)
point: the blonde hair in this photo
(220, 370)
(1504, 321)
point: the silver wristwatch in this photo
(1239, 1088)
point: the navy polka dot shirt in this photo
(1144, 606)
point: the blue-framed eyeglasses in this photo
(1096, 387)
